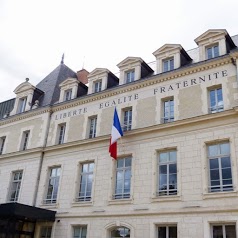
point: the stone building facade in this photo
(177, 169)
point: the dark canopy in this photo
(25, 212)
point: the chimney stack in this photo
(82, 76)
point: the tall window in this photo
(216, 100)
(130, 76)
(123, 178)
(15, 186)
(79, 232)
(212, 51)
(2, 143)
(22, 104)
(120, 232)
(167, 173)
(97, 86)
(53, 185)
(224, 231)
(68, 95)
(25, 139)
(127, 122)
(61, 132)
(46, 232)
(219, 167)
(168, 64)
(167, 232)
(93, 127)
(86, 181)
(168, 110)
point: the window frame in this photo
(52, 200)
(170, 117)
(223, 228)
(216, 108)
(2, 144)
(47, 231)
(25, 140)
(18, 183)
(97, 86)
(124, 169)
(61, 133)
(68, 94)
(167, 227)
(170, 64)
(92, 127)
(81, 227)
(130, 76)
(127, 119)
(168, 192)
(219, 158)
(22, 104)
(89, 172)
(214, 53)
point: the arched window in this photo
(120, 232)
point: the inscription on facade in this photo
(163, 89)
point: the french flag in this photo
(115, 135)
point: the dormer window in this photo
(22, 105)
(97, 86)
(68, 95)
(212, 51)
(168, 64)
(130, 76)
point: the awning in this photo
(25, 212)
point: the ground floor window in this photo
(46, 232)
(224, 231)
(80, 232)
(167, 231)
(120, 232)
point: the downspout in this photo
(42, 158)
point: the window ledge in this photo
(50, 205)
(168, 198)
(120, 201)
(81, 204)
(220, 195)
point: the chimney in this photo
(82, 76)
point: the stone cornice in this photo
(25, 115)
(20, 153)
(145, 82)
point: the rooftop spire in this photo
(62, 60)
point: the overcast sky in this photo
(98, 33)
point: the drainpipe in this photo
(41, 158)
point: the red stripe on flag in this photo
(113, 150)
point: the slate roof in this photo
(6, 107)
(50, 84)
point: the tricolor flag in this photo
(115, 135)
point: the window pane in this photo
(230, 231)
(172, 168)
(212, 150)
(163, 169)
(172, 155)
(173, 232)
(225, 149)
(225, 162)
(162, 232)
(163, 157)
(128, 162)
(214, 164)
(217, 232)
(226, 173)
(120, 163)
(214, 174)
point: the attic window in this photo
(168, 64)
(130, 76)
(212, 51)
(98, 86)
(22, 105)
(68, 95)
